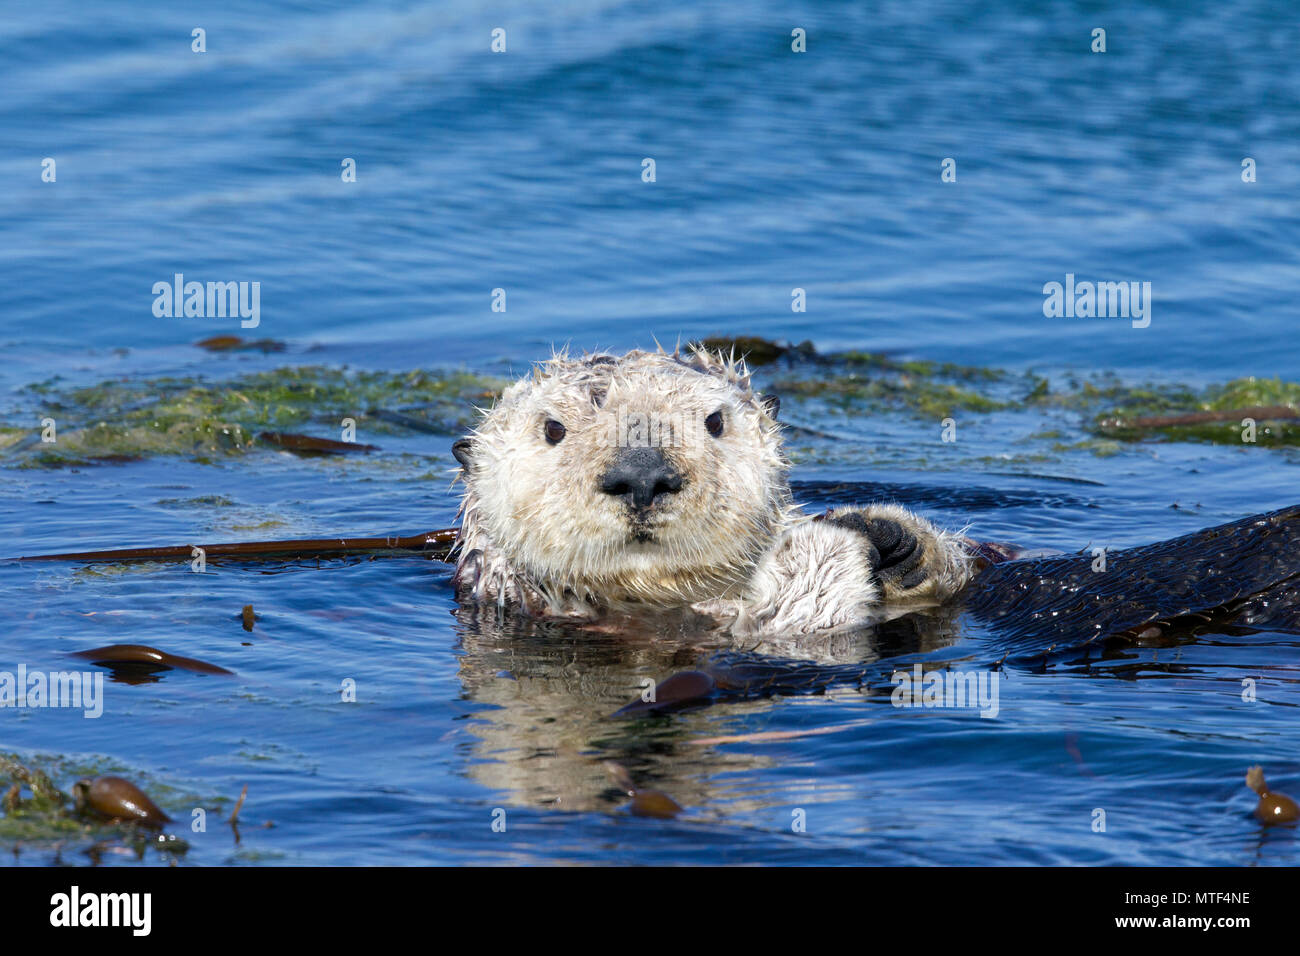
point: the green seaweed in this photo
(1121, 421)
(854, 392)
(199, 501)
(10, 436)
(1100, 447)
(923, 368)
(126, 419)
(123, 420)
(37, 814)
(1244, 392)
(754, 350)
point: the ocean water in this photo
(522, 171)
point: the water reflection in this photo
(552, 692)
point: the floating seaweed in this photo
(311, 445)
(1273, 807)
(117, 800)
(237, 343)
(644, 803)
(129, 660)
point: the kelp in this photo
(128, 419)
(1243, 411)
(36, 814)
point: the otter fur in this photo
(654, 480)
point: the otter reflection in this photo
(561, 700)
(551, 691)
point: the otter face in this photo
(642, 478)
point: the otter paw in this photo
(897, 553)
(484, 578)
(815, 577)
(913, 560)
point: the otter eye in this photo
(554, 431)
(714, 424)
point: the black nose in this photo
(641, 475)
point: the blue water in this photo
(522, 171)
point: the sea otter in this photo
(656, 480)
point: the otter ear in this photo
(460, 451)
(772, 403)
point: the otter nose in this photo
(641, 475)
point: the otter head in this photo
(643, 478)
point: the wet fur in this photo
(538, 533)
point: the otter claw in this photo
(898, 557)
(901, 555)
(469, 570)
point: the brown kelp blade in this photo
(1245, 573)
(432, 543)
(312, 445)
(118, 654)
(1285, 412)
